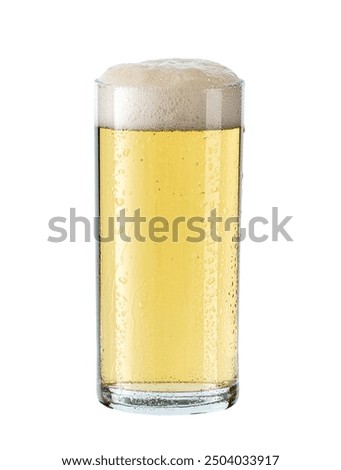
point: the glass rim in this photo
(240, 84)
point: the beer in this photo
(168, 287)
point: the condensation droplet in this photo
(119, 201)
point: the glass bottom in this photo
(169, 403)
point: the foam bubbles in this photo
(168, 95)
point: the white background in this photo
(288, 54)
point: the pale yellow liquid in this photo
(168, 310)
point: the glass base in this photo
(169, 403)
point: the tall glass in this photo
(169, 150)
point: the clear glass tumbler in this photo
(169, 151)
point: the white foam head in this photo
(170, 94)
